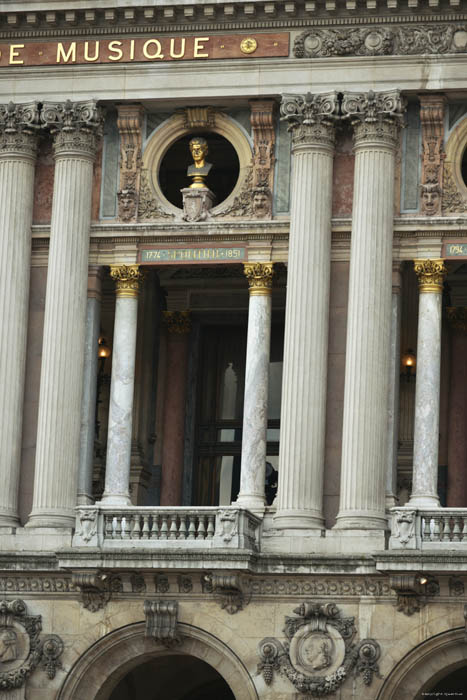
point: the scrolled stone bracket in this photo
(161, 621)
(320, 652)
(95, 587)
(411, 592)
(229, 591)
(21, 638)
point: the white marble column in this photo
(375, 118)
(75, 127)
(426, 430)
(88, 402)
(393, 389)
(18, 147)
(117, 471)
(255, 405)
(303, 411)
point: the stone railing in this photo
(117, 527)
(434, 528)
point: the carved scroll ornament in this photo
(320, 651)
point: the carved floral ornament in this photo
(320, 652)
(430, 275)
(259, 276)
(128, 279)
(22, 649)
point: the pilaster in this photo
(130, 123)
(432, 113)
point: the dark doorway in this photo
(453, 684)
(173, 677)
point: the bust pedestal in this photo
(196, 203)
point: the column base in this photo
(255, 505)
(51, 519)
(84, 499)
(423, 500)
(391, 501)
(298, 520)
(360, 521)
(9, 520)
(115, 499)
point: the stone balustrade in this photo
(428, 528)
(119, 527)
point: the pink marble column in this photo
(178, 327)
(457, 435)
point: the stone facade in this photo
(232, 436)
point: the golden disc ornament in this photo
(248, 45)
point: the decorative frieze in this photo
(432, 110)
(320, 651)
(449, 38)
(129, 122)
(22, 649)
(127, 278)
(430, 275)
(76, 126)
(19, 125)
(311, 118)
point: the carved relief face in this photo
(317, 652)
(431, 198)
(8, 645)
(261, 204)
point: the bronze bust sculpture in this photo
(200, 168)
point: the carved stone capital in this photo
(311, 118)
(259, 276)
(178, 322)
(19, 126)
(375, 116)
(76, 127)
(457, 317)
(161, 621)
(430, 275)
(127, 278)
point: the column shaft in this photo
(178, 325)
(393, 390)
(57, 451)
(255, 406)
(122, 383)
(303, 411)
(426, 429)
(457, 437)
(365, 423)
(18, 145)
(88, 403)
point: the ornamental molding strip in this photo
(435, 39)
(22, 649)
(320, 652)
(161, 621)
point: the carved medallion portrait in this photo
(317, 652)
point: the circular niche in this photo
(222, 177)
(464, 166)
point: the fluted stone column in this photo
(393, 389)
(303, 412)
(426, 429)
(18, 148)
(117, 468)
(88, 403)
(457, 431)
(255, 405)
(178, 327)
(75, 127)
(375, 119)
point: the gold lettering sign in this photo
(455, 250)
(170, 256)
(153, 49)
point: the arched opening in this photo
(454, 683)
(464, 166)
(175, 677)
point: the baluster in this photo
(211, 521)
(201, 527)
(118, 527)
(155, 527)
(446, 521)
(191, 527)
(436, 528)
(125, 528)
(136, 530)
(145, 530)
(173, 527)
(182, 528)
(464, 529)
(164, 527)
(426, 529)
(108, 527)
(456, 533)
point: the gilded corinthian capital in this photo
(19, 125)
(127, 279)
(259, 276)
(374, 115)
(311, 117)
(76, 126)
(430, 275)
(178, 322)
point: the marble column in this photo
(18, 147)
(393, 390)
(255, 405)
(426, 429)
(375, 118)
(178, 327)
(122, 383)
(303, 411)
(88, 403)
(75, 127)
(457, 432)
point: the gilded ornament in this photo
(259, 276)
(178, 321)
(248, 45)
(430, 275)
(127, 278)
(200, 168)
(457, 317)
